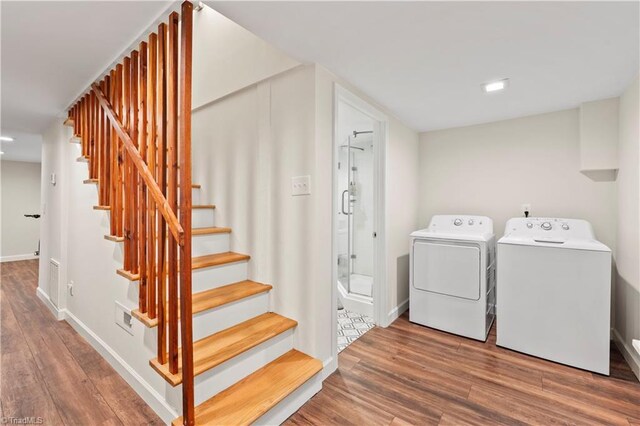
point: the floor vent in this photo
(54, 281)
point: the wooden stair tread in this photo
(244, 402)
(82, 159)
(102, 207)
(194, 186)
(217, 259)
(128, 275)
(214, 298)
(213, 350)
(194, 231)
(203, 206)
(68, 122)
(210, 230)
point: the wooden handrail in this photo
(143, 170)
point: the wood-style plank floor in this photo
(409, 374)
(50, 371)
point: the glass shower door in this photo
(360, 207)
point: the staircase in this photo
(236, 362)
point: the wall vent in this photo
(54, 281)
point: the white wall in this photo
(20, 195)
(227, 58)
(627, 289)
(492, 169)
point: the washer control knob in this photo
(457, 222)
(565, 226)
(546, 226)
(529, 225)
(470, 221)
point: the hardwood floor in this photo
(51, 372)
(409, 374)
(401, 375)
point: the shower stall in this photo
(356, 221)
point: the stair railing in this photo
(135, 130)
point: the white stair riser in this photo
(292, 403)
(209, 244)
(202, 218)
(212, 277)
(200, 245)
(214, 320)
(196, 196)
(218, 379)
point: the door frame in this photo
(379, 290)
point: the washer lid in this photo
(552, 232)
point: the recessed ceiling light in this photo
(1, 153)
(495, 86)
(6, 139)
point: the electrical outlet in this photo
(301, 185)
(70, 288)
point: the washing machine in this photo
(554, 292)
(452, 275)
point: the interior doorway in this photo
(358, 231)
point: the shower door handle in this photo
(346, 191)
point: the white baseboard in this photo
(397, 311)
(632, 357)
(59, 314)
(156, 401)
(329, 365)
(17, 257)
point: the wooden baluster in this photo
(83, 132)
(133, 175)
(120, 154)
(104, 157)
(142, 193)
(89, 131)
(95, 160)
(126, 177)
(185, 213)
(92, 133)
(98, 145)
(172, 181)
(161, 119)
(88, 128)
(151, 161)
(74, 113)
(113, 158)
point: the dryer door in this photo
(451, 269)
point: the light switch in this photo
(301, 185)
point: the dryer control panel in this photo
(463, 224)
(549, 228)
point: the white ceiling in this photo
(52, 50)
(425, 61)
(25, 147)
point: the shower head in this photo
(356, 133)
